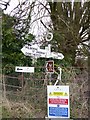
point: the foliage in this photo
(5, 112)
(11, 45)
(32, 99)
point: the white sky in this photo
(13, 4)
(37, 28)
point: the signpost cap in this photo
(49, 36)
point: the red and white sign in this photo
(50, 66)
(58, 101)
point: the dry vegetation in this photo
(31, 101)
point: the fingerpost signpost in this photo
(57, 95)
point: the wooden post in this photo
(4, 94)
(45, 80)
(50, 78)
(22, 79)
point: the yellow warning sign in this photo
(58, 94)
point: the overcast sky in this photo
(13, 4)
(37, 28)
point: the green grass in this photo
(5, 112)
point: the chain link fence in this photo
(24, 95)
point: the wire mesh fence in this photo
(24, 95)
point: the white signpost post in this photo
(58, 101)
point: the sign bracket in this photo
(59, 77)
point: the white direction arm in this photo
(35, 51)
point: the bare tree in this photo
(69, 22)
